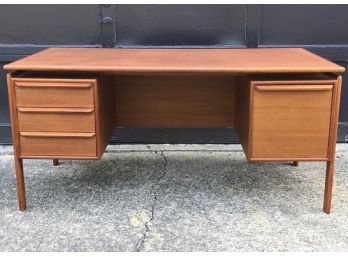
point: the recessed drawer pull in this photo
(295, 88)
(53, 84)
(55, 134)
(56, 110)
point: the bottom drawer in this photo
(39, 144)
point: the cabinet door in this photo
(290, 121)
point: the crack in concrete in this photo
(154, 188)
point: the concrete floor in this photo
(173, 198)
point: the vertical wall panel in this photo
(50, 24)
(304, 25)
(4, 114)
(181, 25)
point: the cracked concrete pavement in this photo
(173, 198)
(154, 188)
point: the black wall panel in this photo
(344, 94)
(4, 114)
(181, 25)
(25, 29)
(303, 25)
(50, 24)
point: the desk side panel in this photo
(242, 118)
(106, 118)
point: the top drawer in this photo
(55, 92)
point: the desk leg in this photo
(20, 184)
(330, 167)
(295, 163)
(16, 145)
(55, 162)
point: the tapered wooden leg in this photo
(295, 163)
(330, 166)
(20, 184)
(55, 162)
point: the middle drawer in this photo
(56, 119)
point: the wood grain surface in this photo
(175, 101)
(56, 144)
(56, 119)
(271, 60)
(291, 121)
(48, 93)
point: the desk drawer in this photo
(54, 93)
(56, 119)
(290, 121)
(40, 144)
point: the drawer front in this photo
(54, 94)
(56, 120)
(290, 121)
(57, 144)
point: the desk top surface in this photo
(128, 61)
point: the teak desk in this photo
(65, 103)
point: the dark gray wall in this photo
(25, 29)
